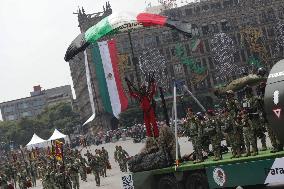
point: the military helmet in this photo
(261, 71)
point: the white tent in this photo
(58, 135)
(36, 141)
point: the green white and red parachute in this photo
(119, 22)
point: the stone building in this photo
(238, 19)
(35, 104)
(78, 74)
(209, 17)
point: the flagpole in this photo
(175, 111)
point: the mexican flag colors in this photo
(105, 60)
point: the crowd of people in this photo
(137, 132)
(240, 123)
(22, 169)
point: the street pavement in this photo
(113, 179)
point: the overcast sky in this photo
(34, 35)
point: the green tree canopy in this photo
(60, 116)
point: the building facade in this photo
(238, 19)
(35, 104)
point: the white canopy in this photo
(36, 141)
(57, 135)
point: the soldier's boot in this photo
(247, 151)
(238, 154)
(254, 151)
(263, 143)
(233, 154)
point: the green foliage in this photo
(60, 116)
(131, 116)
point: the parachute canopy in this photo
(119, 22)
(274, 99)
(240, 83)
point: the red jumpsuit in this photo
(148, 110)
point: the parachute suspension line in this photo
(194, 98)
(90, 90)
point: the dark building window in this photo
(216, 6)
(197, 10)
(211, 64)
(239, 38)
(204, 63)
(263, 17)
(264, 33)
(228, 3)
(225, 26)
(205, 29)
(168, 54)
(271, 15)
(244, 59)
(129, 61)
(158, 40)
(209, 82)
(195, 30)
(268, 50)
(281, 12)
(207, 47)
(175, 36)
(214, 27)
(148, 41)
(161, 52)
(173, 50)
(205, 8)
(236, 2)
(201, 48)
(188, 50)
(237, 56)
(188, 12)
(270, 32)
(166, 37)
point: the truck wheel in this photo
(169, 182)
(196, 180)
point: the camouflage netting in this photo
(156, 154)
(240, 83)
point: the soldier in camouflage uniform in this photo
(95, 166)
(33, 172)
(250, 104)
(104, 162)
(62, 179)
(192, 132)
(22, 178)
(121, 157)
(213, 129)
(74, 174)
(82, 169)
(106, 159)
(249, 135)
(3, 181)
(232, 131)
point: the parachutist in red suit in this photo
(145, 96)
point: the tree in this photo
(60, 116)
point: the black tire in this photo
(196, 181)
(169, 182)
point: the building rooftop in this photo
(37, 92)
